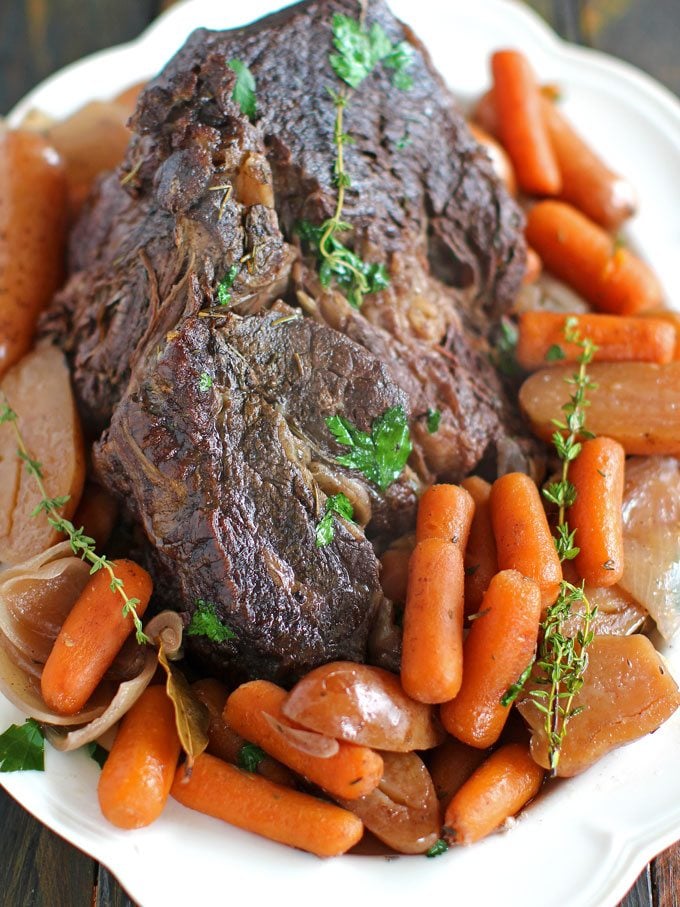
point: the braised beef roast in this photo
(210, 418)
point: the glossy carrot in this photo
(432, 646)
(597, 474)
(445, 512)
(481, 558)
(499, 647)
(498, 789)
(618, 339)
(584, 256)
(352, 772)
(136, 778)
(271, 810)
(450, 765)
(521, 125)
(33, 215)
(91, 637)
(672, 318)
(224, 742)
(522, 534)
(587, 182)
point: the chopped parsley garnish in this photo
(380, 456)
(555, 353)
(325, 531)
(249, 757)
(354, 276)
(205, 382)
(404, 142)
(225, 285)
(244, 89)
(434, 417)
(359, 50)
(439, 847)
(97, 752)
(22, 748)
(205, 622)
(504, 354)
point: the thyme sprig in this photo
(82, 545)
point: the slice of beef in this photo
(221, 481)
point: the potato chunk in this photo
(628, 692)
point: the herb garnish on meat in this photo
(225, 285)
(434, 417)
(380, 455)
(205, 622)
(22, 748)
(336, 503)
(249, 757)
(244, 89)
(358, 52)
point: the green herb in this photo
(359, 50)
(380, 456)
(555, 353)
(249, 757)
(225, 285)
(205, 382)
(325, 531)
(205, 622)
(355, 277)
(515, 689)
(244, 89)
(504, 354)
(434, 417)
(439, 847)
(82, 545)
(22, 748)
(97, 752)
(404, 142)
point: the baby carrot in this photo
(533, 268)
(498, 789)
(587, 183)
(91, 637)
(135, 782)
(522, 534)
(521, 125)
(445, 512)
(432, 646)
(584, 256)
(618, 338)
(672, 318)
(500, 645)
(271, 810)
(352, 772)
(597, 474)
(481, 560)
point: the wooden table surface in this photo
(37, 868)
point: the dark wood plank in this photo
(38, 868)
(666, 878)
(108, 892)
(640, 895)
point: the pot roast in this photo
(210, 420)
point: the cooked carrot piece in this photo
(500, 645)
(618, 339)
(352, 772)
(522, 534)
(584, 256)
(481, 559)
(450, 765)
(271, 810)
(672, 318)
(91, 637)
(587, 183)
(432, 648)
(533, 268)
(394, 572)
(445, 512)
(521, 125)
(498, 789)
(597, 474)
(96, 513)
(135, 782)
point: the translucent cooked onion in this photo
(651, 517)
(308, 742)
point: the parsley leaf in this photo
(503, 356)
(555, 353)
(205, 382)
(205, 622)
(360, 50)
(336, 503)
(382, 455)
(244, 89)
(357, 278)
(97, 752)
(249, 757)
(434, 417)
(223, 294)
(439, 847)
(22, 748)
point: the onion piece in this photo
(167, 629)
(308, 742)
